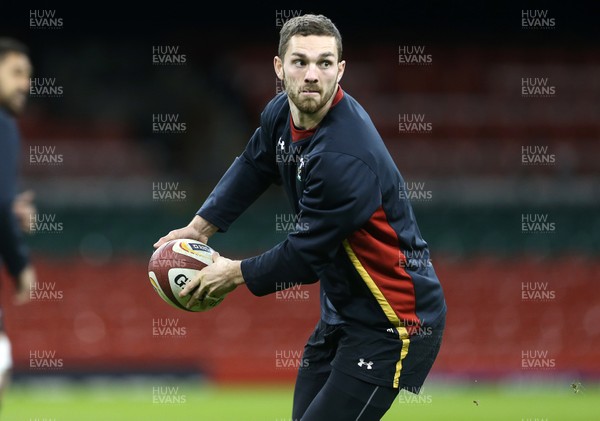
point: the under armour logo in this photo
(281, 144)
(362, 362)
(300, 167)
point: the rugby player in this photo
(15, 209)
(382, 310)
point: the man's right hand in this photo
(198, 229)
(25, 210)
(26, 283)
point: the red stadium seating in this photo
(103, 320)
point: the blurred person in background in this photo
(15, 209)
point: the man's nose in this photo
(311, 75)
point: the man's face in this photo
(15, 73)
(310, 71)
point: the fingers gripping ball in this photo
(176, 263)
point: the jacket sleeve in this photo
(246, 179)
(13, 250)
(340, 194)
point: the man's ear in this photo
(341, 68)
(278, 66)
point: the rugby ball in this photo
(176, 263)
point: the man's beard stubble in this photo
(307, 105)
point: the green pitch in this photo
(155, 401)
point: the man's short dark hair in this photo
(11, 45)
(308, 25)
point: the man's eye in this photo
(298, 62)
(326, 64)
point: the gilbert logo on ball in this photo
(176, 263)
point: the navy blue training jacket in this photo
(13, 250)
(357, 233)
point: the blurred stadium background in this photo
(524, 306)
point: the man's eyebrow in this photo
(322, 55)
